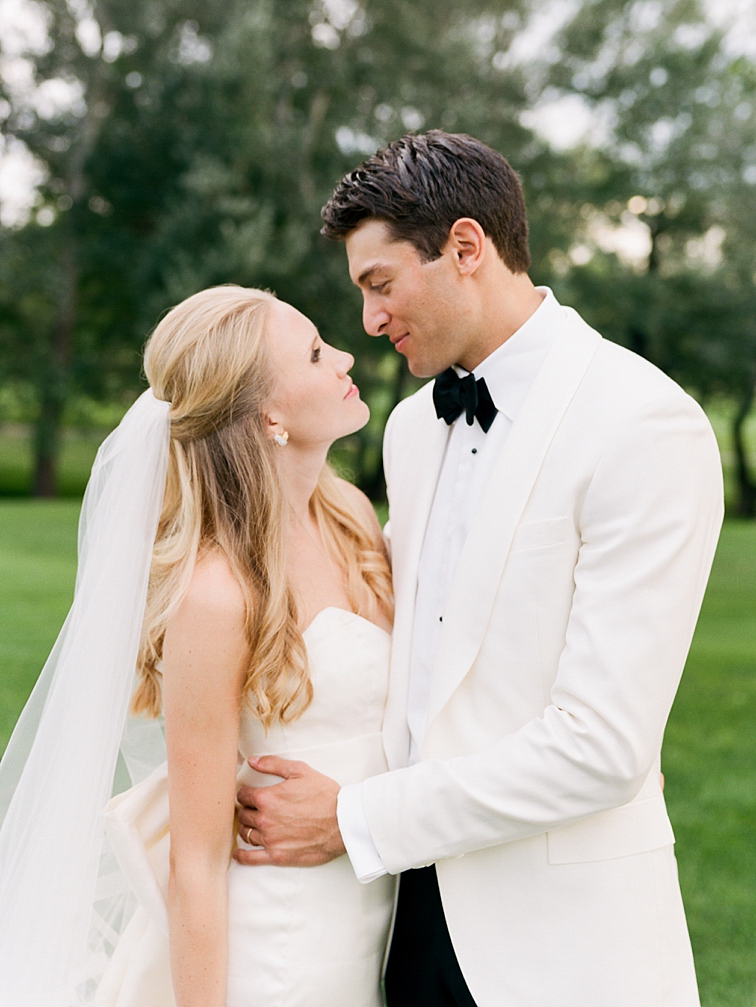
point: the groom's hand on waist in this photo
(293, 821)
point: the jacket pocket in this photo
(537, 534)
(636, 827)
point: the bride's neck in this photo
(299, 472)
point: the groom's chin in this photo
(422, 369)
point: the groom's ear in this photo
(466, 244)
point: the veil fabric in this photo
(62, 899)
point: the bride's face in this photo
(313, 399)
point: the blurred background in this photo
(151, 148)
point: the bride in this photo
(221, 557)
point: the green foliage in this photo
(206, 140)
(77, 452)
(207, 137)
(678, 159)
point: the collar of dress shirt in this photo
(511, 368)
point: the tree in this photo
(74, 329)
(198, 145)
(201, 140)
(676, 158)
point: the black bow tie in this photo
(453, 395)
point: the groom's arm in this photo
(649, 524)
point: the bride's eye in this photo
(315, 355)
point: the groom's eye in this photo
(379, 288)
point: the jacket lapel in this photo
(421, 454)
(481, 563)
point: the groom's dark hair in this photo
(420, 184)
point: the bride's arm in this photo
(203, 663)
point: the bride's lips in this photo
(353, 390)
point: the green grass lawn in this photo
(37, 569)
(710, 767)
(709, 755)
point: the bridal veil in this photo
(63, 898)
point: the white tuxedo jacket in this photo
(565, 635)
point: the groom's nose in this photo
(374, 319)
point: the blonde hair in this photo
(208, 358)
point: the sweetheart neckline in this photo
(345, 611)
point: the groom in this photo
(554, 503)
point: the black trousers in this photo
(422, 969)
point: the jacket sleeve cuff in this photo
(355, 833)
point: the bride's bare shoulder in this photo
(212, 609)
(214, 585)
(205, 657)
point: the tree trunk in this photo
(54, 382)
(53, 387)
(47, 443)
(745, 505)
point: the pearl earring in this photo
(281, 439)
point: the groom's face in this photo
(419, 305)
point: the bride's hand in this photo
(294, 821)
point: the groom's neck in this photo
(507, 301)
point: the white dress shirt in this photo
(468, 461)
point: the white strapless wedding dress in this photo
(298, 937)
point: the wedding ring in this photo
(249, 841)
